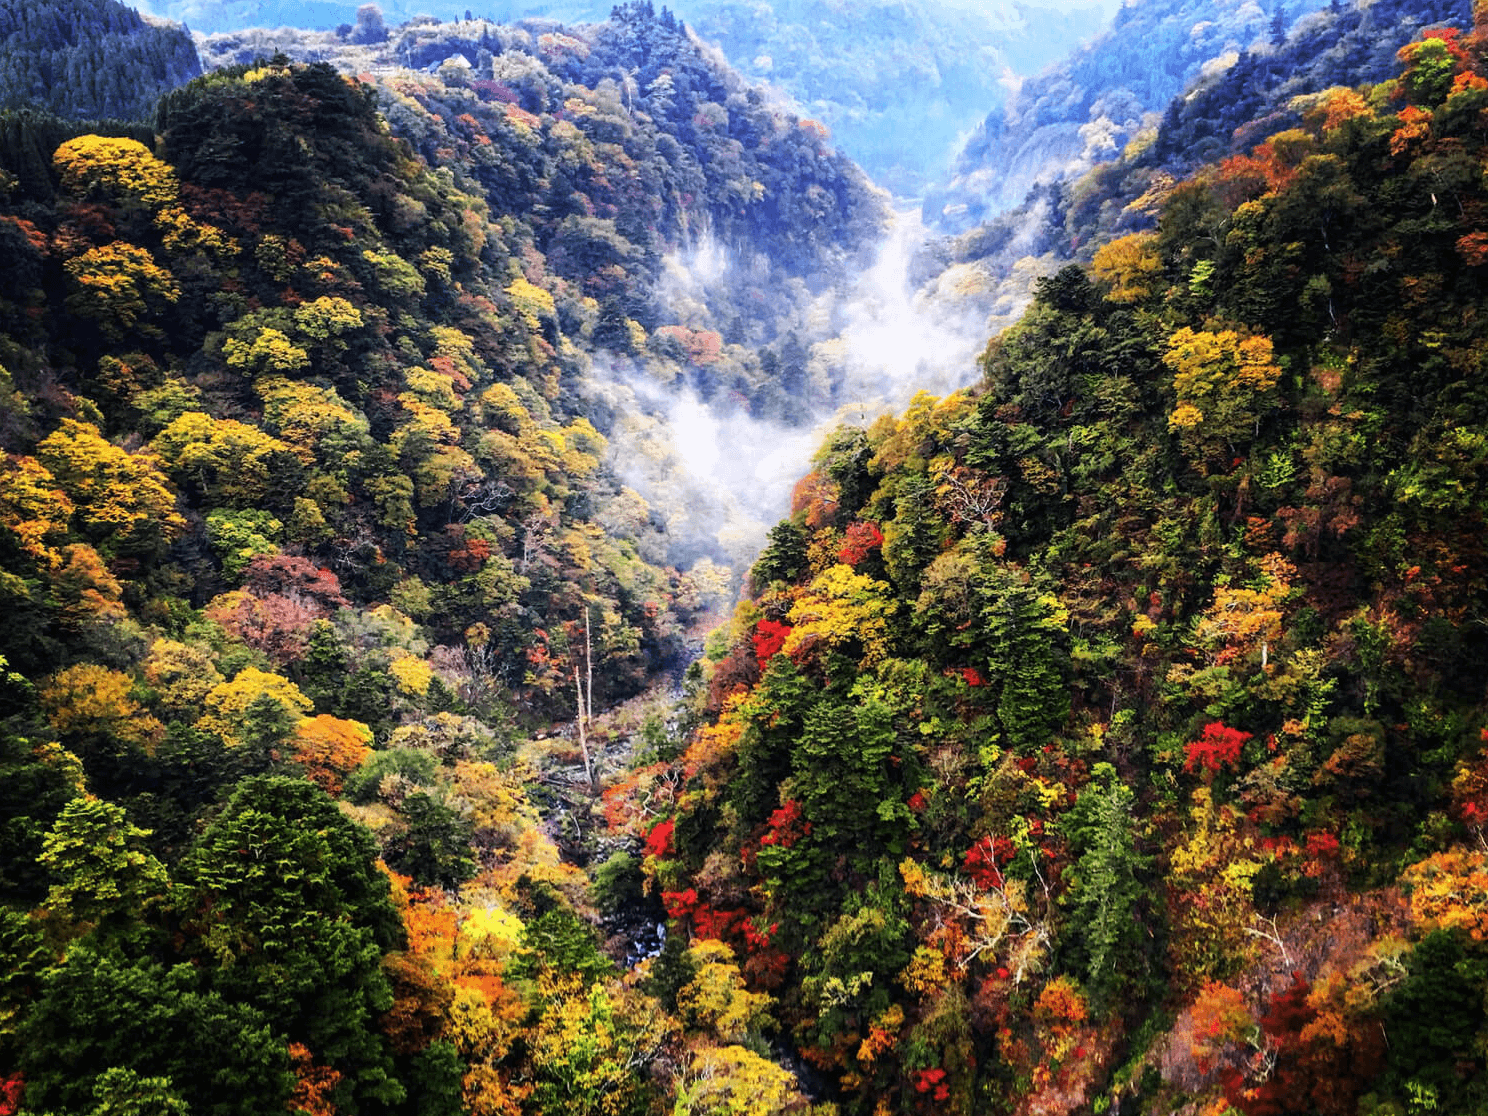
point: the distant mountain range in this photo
(1088, 107)
(1114, 177)
(897, 81)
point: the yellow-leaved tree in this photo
(1130, 264)
(1225, 383)
(592, 1045)
(1449, 891)
(255, 707)
(181, 674)
(124, 174)
(120, 171)
(841, 607)
(34, 509)
(715, 1000)
(121, 501)
(330, 748)
(735, 1081)
(229, 461)
(267, 351)
(87, 701)
(118, 285)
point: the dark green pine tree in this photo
(1107, 886)
(292, 917)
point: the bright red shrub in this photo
(1216, 746)
(769, 637)
(1322, 845)
(11, 1089)
(933, 1079)
(659, 840)
(862, 539)
(787, 826)
(982, 860)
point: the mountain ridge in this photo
(874, 71)
(1063, 708)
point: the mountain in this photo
(989, 270)
(1340, 45)
(740, 179)
(897, 81)
(1087, 107)
(1232, 112)
(89, 58)
(1107, 736)
(1110, 735)
(306, 496)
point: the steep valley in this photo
(533, 586)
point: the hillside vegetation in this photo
(1085, 108)
(89, 59)
(1109, 736)
(1112, 734)
(305, 498)
(898, 82)
(1119, 187)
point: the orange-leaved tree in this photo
(330, 748)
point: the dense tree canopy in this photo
(1149, 654)
(1108, 734)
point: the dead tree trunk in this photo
(586, 703)
(583, 733)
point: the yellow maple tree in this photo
(120, 499)
(1130, 264)
(87, 699)
(273, 700)
(1224, 383)
(34, 509)
(715, 1000)
(118, 285)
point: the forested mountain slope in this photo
(993, 266)
(1089, 105)
(304, 496)
(1228, 114)
(896, 81)
(1111, 736)
(1108, 737)
(1344, 44)
(737, 284)
(89, 58)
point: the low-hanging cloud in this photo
(718, 476)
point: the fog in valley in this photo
(901, 84)
(719, 477)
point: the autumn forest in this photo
(395, 722)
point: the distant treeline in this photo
(1342, 46)
(89, 58)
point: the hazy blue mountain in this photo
(88, 58)
(1346, 44)
(897, 81)
(994, 265)
(1086, 108)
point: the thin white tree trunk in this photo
(583, 735)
